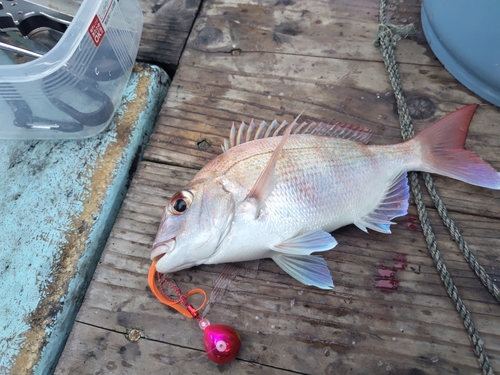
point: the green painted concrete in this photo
(58, 202)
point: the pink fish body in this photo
(279, 197)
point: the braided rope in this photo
(459, 240)
(386, 43)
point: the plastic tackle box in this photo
(72, 89)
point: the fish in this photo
(279, 190)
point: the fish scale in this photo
(311, 160)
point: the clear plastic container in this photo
(73, 90)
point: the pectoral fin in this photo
(307, 243)
(267, 180)
(308, 269)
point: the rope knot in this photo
(388, 33)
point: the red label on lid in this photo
(96, 31)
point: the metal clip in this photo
(27, 18)
(24, 119)
(47, 124)
(91, 89)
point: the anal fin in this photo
(293, 256)
(394, 204)
(308, 269)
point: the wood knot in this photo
(209, 35)
(203, 145)
(420, 108)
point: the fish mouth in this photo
(160, 249)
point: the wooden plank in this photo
(225, 97)
(358, 326)
(264, 86)
(166, 27)
(110, 352)
(343, 29)
(389, 312)
(165, 30)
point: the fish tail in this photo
(443, 152)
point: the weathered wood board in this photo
(58, 201)
(389, 312)
(166, 26)
(165, 30)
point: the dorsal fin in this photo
(266, 181)
(245, 133)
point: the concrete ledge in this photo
(58, 202)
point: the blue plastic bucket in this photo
(465, 36)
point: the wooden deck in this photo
(389, 312)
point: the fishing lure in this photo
(222, 342)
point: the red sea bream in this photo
(280, 197)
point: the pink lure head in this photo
(222, 343)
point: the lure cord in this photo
(202, 322)
(386, 43)
(182, 297)
(222, 343)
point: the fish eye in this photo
(180, 202)
(180, 205)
